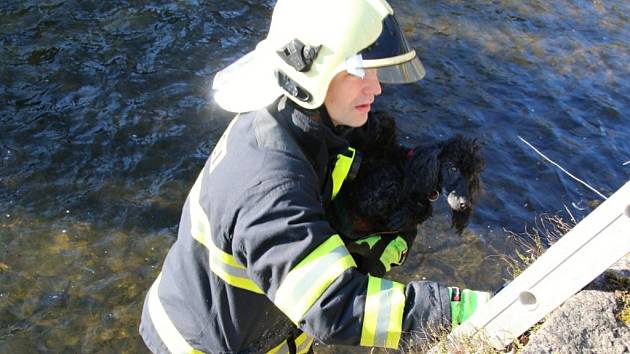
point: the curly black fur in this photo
(395, 187)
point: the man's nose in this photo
(373, 86)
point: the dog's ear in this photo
(422, 172)
(478, 160)
(460, 219)
(476, 164)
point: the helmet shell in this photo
(341, 28)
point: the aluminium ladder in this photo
(591, 247)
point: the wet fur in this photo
(395, 186)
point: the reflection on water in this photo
(105, 122)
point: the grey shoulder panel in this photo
(271, 135)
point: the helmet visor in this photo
(403, 73)
(391, 54)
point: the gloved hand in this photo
(377, 254)
(464, 303)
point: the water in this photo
(105, 121)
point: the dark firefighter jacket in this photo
(257, 268)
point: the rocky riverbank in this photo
(595, 320)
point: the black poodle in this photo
(395, 187)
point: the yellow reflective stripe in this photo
(341, 170)
(396, 315)
(221, 266)
(282, 348)
(306, 282)
(224, 257)
(382, 318)
(370, 315)
(165, 328)
(199, 224)
(221, 263)
(302, 344)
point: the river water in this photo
(106, 119)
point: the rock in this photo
(586, 322)
(622, 268)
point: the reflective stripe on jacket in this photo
(256, 267)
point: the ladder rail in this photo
(591, 247)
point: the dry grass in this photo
(624, 315)
(439, 342)
(621, 288)
(534, 242)
(529, 245)
(464, 345)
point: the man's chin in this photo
(355, 119)
(360, 120)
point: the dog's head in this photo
(461, 164)
(451, 168)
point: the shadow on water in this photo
(106, 121)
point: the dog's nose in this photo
(463, 202)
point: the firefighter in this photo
(256, 267)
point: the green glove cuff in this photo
(464, 303)
(394, 253)
(369, 240)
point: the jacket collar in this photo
(316, 136)
(312, 129)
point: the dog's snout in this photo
(463, 203)
(458, 202)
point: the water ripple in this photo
(106, 120)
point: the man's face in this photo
(349, 97)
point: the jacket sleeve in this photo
(299, 262)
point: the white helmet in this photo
(308, 43)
